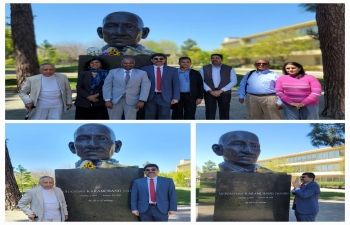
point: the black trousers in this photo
(185, 108)
(91, 113)
(223, 101)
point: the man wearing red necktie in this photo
(165, 88)
(153, 198)
(306, 198)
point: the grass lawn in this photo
(183, 196)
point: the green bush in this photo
(274, 67)
(331, 184)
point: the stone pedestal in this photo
(98, 194)
(244, 197)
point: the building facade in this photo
(184, 164)
(328, 164)
(310, 57)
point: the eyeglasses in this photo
(150, 170)
(261, 64)
(302, 177)
(158, 58)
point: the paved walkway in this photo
(183, 214)
(14, 108)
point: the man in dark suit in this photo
(306, 197)
(191, 91)
(218, 80)
(165, 88)
(153, 198)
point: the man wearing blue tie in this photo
(153, 198)
(306, 193)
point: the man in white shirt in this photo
(46, 95)
(218, 79)
(47, 203)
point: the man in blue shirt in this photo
(258, 88)
(191, 91)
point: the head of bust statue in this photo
(121, 29)
(240, 150)
(94, 142)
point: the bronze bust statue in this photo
(122, 31)
(95, 143)
(241, 150)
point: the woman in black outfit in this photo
(89, 102)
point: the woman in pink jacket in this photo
(299, 93)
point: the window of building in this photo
(336, 167)
(336, 153)
(318, 168)
(329, 178)
(331, 154)
(325, 155)
(330, 167)
(324, 168)
(308, 158)
(299, 159)
(319, 156)
(303, 158)
(313, 157)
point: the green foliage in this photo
(10, 61)
(198, 57)
(164, 46)
(280, 45)
(338, 185)
(181, 178)
(279, 165)
(187, 46)
(209, 166)
(47, 53)
(327, 134)
(23, 177)
(9, 53)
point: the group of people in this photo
(163, 92)
(153, 198)
(265, 93)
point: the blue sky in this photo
(45, 145)
(276, 139)
(206, 23)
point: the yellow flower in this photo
(113, 51)
(88, 165)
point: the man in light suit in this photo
(156, 206)
(306, 193)
(47, 203)
(125, 90)
(165, 88)
(46, 95)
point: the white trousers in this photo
(47, 114)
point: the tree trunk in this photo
(331, 27)
(24, 44)
(12, 194)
